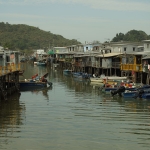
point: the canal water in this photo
(72, 115)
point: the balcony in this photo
(98, 65)
(116, 64)
(61, 59)
(88, 64)
(132, 67)
(69, 60)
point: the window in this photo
(133, 48)
(125, 48)
(147, 45)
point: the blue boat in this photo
(129, 94)
(41, 63)
(108, 90)
(31, 85)
(35, 83)
(67, 72)
(146, 96)
(142, 92)
(81, 75)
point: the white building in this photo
(126, 47)
(40, 52)
(146, 45)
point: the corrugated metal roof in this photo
(109, 55)
(138, 53)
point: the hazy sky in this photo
(84, 20)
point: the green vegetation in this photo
(24, 37)
(27, 38)
(132, 36)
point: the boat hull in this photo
(67, 72)
(96, 80)
(40, 64)
(32, 85)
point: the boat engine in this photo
(120, 90)
(49, 83)
(139, 93)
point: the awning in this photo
(109, 55)
(146, 57)
(50, 52)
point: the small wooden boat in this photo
(142, 92)
(41, 63)
(30, 84)
(106, 79)
(35, 82)
(67, 72)
(114, 78)
(99, 80)
(134, 94)
(112, 86)
(81, 75)
(108, 90)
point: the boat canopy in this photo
(50, 52)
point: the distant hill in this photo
(133, 36)
(24, 37)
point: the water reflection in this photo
(12, 114)
(77, 116)
(37, 91)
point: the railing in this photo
(88, 63)
(93, 63)
(79, 64)
(61, 59)
(116, 64)
(9, 68)
(68, 60)
(132, 67)
(98, 65)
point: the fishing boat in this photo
(41, 63)
(142, 92)
(134, 94)
(96, 79)
(114, 85)
(81, 75)
(114, 78)
(35, 82)
(67, 72)
(104, 79)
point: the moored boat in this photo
(35, 82)
(81, 75)
(67, 72)
(41, 63)
(142, 92)
(96, 79)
